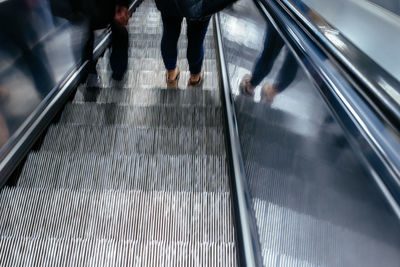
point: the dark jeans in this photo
(196, 32)
(119, 50)
(272, 46)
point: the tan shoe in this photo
(196, 81)
(172, 83)
(268, 93)
(245, 86)
(4, 93)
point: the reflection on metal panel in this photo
(314, 203)
(371, 28)
(37, 49)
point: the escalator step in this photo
(141, 172)
(153, 116)
(149, 97)
(154, 30)
(116, 215)
(138, 43)
(128, 141)
(152, 79)
(96, 252)
(157, 65)
(317, 198)
(272, 258)
(296, 235)
(137, 53)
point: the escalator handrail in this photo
(370, 136)
(249, 248)
(377, 86)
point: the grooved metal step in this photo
(155, 80)
(156, 65)
(319, 200)
(283, 231)
(149, 97)
(117, 172)
(116, 215)
(156, 53)
(286, 148)
(128, 141)
(137, 42)
(154, 30)
(96, 252)
(151, 116)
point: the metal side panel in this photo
(32, 128)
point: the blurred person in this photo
(4, 131)
(19, 31)
(96, 15)
(198, 15)
(101, 13)
(272, 46)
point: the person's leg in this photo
(286, 75)
(39, 67)
(87, 52)
(169, 41)
(119, 51)
(196, 32)
(169, 47)
(272, 45)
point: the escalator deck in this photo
(131, 174)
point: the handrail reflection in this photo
(378, 87)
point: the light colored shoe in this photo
(172, 83)
(4, 93)
(245, 86)
(268, 93)
(196, 83)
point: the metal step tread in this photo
(147, 116)
(101, 252)
(138, 53)
(284, 231)
(286, 148)
(150, 79)
(117, 215)
(128, 141)
(155, 65)
(155, 29)
(136, 42)
(319, 200)
(117, 172)
(149, 97)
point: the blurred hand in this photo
(31, 3)
(121, 15)
(4, 133)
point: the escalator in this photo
(317, 195)
(134, 174)
(130, 174)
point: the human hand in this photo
(121, 15)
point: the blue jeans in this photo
(196, 32)
(272, 46)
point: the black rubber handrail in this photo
(375, 83)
